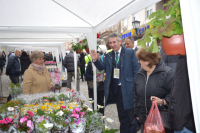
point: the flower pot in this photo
(87, 50)
(58, 89)
(174, 45)
(78, 51)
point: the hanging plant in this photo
(163, 26)
(76, 47)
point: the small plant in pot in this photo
(167, 27)
(57, 87)
(77, 47)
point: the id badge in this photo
(116, 73)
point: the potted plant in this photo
(85, 46)
(167, 27)
(77, 47)
(57, 87)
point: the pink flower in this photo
(45, 96)
(29, 124)
(77, 100)
(3, 121)
(41, 119)
(78, 121)
(30, 113)
(9, 120)
(82, 114)
(77, 109)
(63, 107)
(22, 120)
(75, 115)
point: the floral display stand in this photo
(52, 112)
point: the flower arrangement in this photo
(26, 123)
(66, 112)
(6, 123)
(15, 89)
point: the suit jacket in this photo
(129, 68)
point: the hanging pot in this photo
(87, 50)
(78, 51)
(174, 45)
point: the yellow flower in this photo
(70, 107)
(61, 102)
(35, 111)
(75, 104)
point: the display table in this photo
(67, 111)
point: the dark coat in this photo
(49, 58)
(81, 59)
(13, 66)
(25, 62)
(129, 68)
(2, 60)
(180, 108)
(170, 61)
(159, 84)
(69, 62)
(89, 76)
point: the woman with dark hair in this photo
(25, 62)
(82, 65)
(152, 82)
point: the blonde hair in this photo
(35, 55)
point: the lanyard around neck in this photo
(117, 60)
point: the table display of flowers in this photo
(49, 62)
(52, 112)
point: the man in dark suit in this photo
(121, 66)
(129, 43)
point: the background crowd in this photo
(133, 78)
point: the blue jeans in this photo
(185, 130)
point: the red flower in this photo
(98, 35)
(80, 41)
(30, 113)
(63, 107)
(72, 90)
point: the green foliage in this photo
(57, 86)
(40, 112)
(163, 26)
(76, 46)
(51, 98)
(109, 130)
(62, 97)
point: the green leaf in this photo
(168, 21)
(178, 30)
(148, 31)
(155, 46)
(84, 40)
(165, 4)
(142, 43)
(157, 32)
(147, 39)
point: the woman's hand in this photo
(158, 100)
(50, 87)
(137, 118)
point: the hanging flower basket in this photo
(174, 45)
(78, 51)
(87, 50)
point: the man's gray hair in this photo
(17, 50)
(131, 38)
(115, 35)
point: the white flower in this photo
(99, 106)
(107, 128)
(10, 109)
(109, 120)
(90, 99)
(89, 109)
(91, 102)
(60, 113)
(48, 125)
(103, 117)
